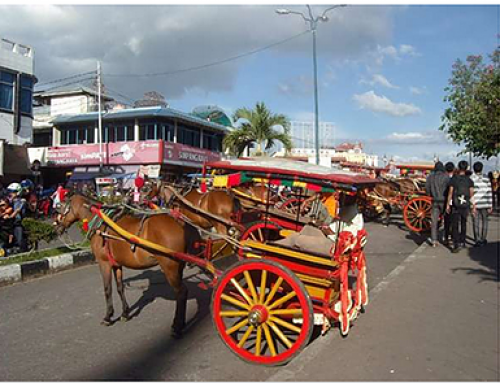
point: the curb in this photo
(22, 271)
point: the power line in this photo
(66, 78)
(198, 67)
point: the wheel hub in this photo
(258, 315)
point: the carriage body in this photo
(323, 294)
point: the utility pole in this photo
(313, 24)
(100, 115)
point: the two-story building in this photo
(162, 138)
(16, 115)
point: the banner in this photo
(73, 155)
(134, 152)
(179, 154)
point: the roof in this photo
(121, 114)
(415, 166)
(71, 90)
(347, 146)
(270, 167)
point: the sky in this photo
(382, 70)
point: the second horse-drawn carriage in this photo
(268, 292)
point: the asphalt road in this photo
(50, 326)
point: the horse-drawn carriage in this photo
(404, 194)
(267, 295)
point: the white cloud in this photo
(417, 91)
(380, 80)
(417, 138)
(381, 104)
(409, 50)
(397, 54)
(69, 39)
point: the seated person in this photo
(322, 239)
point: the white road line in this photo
(311, 352)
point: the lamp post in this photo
(313, 24)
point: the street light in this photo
(313, 23)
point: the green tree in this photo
(473, 95)
(257, 126)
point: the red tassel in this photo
(85, 225)
(203, 187)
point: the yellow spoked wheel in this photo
(262, 312)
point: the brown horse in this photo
(112, 254)
(217, 202)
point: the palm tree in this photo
(257, 126)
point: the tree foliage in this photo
(257, 126)
(473, 95)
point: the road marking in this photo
(310, 353)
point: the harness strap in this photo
(109, 254)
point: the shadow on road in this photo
(488, 259)
(149, 360)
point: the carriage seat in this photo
(309, 240)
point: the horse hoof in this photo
(106, 323)
(124, 318)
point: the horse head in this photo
(72, 210)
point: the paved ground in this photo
(433, 317)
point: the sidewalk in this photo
(436, 318)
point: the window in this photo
(189, 136)
(81, 135)
(212, 141)
(167, 132)
(148, 132)
(26, 94)
(7, 80)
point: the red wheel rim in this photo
(243, 337)
(261, 232)
(417, 214)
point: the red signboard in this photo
(187, 155)
(73, 155)
(134, 152)
(130, 152)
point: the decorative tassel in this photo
(85, 225)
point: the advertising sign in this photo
(138, 152)
(187, 155)
(73, 155)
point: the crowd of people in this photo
(458, 193)
(17, 201)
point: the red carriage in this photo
(267, 297)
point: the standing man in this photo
(460, 195)
(435, 187)
(19, 207)
(483, 202)
(450, 170)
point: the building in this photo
(346, 153)
(63, 100)
(16, 113)
(16, 92)
(169, 141)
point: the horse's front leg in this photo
(118, 273)
(108, 290)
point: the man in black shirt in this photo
(459, 196)
(450, 170)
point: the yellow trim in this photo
(289, 253)
(245, 195)
(154, 246)
(315, 280)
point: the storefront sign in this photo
(133, 153)
(142, 152)
(73, 155)
(187, 155)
